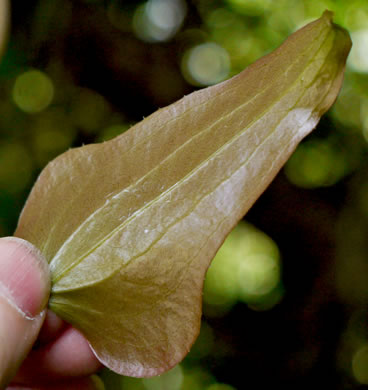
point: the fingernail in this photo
(24, 276)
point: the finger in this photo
(52, 327)
(68, 356)
(24, 292)
(91, 383)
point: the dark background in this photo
(110, 63)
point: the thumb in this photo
(24, 292)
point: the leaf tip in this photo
(328, 16)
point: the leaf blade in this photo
(147, 237)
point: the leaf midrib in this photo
(193, 171)
(225, 91)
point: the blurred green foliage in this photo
(289, 311)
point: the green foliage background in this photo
(79, 71)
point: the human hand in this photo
(61, 357)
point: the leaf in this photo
(130, 226)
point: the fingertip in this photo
(24, 276)
(24, 292)
(68, 356)
(73, 354)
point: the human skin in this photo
(37, 349)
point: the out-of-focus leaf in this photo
(4, 24)
(130, 226)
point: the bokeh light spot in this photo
(220, 386)
(229, 31)
(267, 301)
(204, 344)
(206, 64)
(128, 383)
(360, 365)
(48, 144)
(220, 287)
(33, 91)
(112, 131)
(315, 164)
(258, 275)
(52, 134)
(196, 378)
(221, 18)
(363, 117)
(250, 7)
(89, 110)
(350, 109)
(358, 58)
(246, 268)
(172, 380)
(159, 20)
(363, 198)
(15, 167)
(354, 15)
